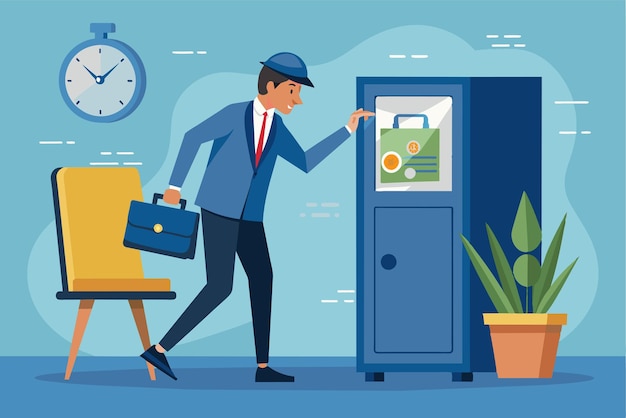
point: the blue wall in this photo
(576, 46)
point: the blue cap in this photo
(290, 65)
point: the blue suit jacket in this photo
(231, 185)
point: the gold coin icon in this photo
(413, 147)
(391, 162)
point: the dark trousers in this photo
(223, 238)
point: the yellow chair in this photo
(91, 208)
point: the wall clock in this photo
(102, 79)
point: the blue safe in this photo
(442, 157)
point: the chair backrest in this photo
(91, 208)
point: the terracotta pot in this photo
(525, 345)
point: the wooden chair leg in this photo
(84, 310)
(136, 306)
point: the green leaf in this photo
(495, 292)
(555, 289)
(526, 232)
(548, 267)
(504, 272)
(526, 270)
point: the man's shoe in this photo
(158, 360)
(268, 374)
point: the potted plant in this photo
(524, 338)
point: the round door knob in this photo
(158, 228)
(388, 261)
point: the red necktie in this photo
(259, 148)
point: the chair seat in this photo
(115, 295)
(121, 285)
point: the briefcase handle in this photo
(409, 115)
(157, 196)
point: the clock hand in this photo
(108, 72)
(90, 72)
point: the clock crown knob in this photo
(101, 29)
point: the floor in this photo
(325, 387)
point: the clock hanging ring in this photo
(102, 79)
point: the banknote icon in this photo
(409, 154)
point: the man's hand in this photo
(171, 196)
(353, 122)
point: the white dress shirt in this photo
(257, 119)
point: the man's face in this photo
(285, 96)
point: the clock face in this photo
(101, 81)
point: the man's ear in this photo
(270, 87)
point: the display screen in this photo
(413, 143)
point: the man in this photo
(247, 139)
